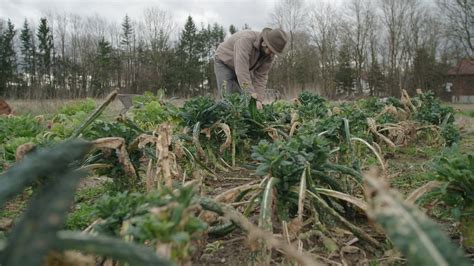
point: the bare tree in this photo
(359, 24)
(412, 36)
(324, 30)
(60, 32)
(289, 15)
(395, 14)
(158, 26)
(375, 75)
(61, 21)
(460, 23)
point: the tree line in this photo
(376, 47)
(87, 58)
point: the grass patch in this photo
(411, 164)
(51, 106)
(418, 152)
(81, 217)
(11, 213)
(84, 207)
(16, 206)
(410, 180)
(468, 113)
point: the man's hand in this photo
(259, 103)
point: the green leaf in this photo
(180, 237)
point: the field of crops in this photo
(307, 182)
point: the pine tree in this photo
(425, 74)
(345, 75)
(218, 35)
(7, 58)
(127, 33)
(127, 42)
(376, 78)
(45, 56)
(45, 48)
(232, 29)
(189, 54)
(104, 65)
(27, 48)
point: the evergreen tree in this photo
(127, 42)
(376, 78)
(7, 57)
(127, 33)
(345, 74)
(232, 29)
(427, 73)
(27, 48)
(218, 35)
(105, 67)
(189, 55)
(45, 48)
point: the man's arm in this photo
(242, 50)
(261, 78)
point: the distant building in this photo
(459, 86)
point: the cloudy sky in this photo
(225, 12)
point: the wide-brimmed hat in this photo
(275, 39)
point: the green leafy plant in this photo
(103, 129)
(63, 125)
(312, 105)
(9, 148)
(149, 112)
(430, 109)
(456, 172)
(83, 106)
(200, 109)
(158, 218)
(19, 126)
(451, 134)
(287, 161)
(37, 232)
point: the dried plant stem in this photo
(354, 229)
(255, 232)
(379, 157)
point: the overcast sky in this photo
(225, 12)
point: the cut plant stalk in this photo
(265, 221)
(197, 143)
(347, 135)
(118, 144)
(377, 155)
(354, 229)
(256, 233)
(419, 192)
(95, 114)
